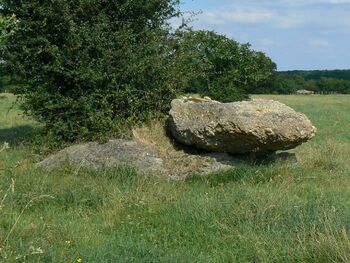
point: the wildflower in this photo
(79, 260)
(5, 146)
(34, 250)
(38, 251)
(68, 242)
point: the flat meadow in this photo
(272, 212)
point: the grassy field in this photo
(280, 212)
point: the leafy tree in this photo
(8, 24)
(7, 28)
(220, 67)
(86, 66)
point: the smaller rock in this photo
(144, 158)
(305, 92)
(99, 156)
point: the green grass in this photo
(280, 212)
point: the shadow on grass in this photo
(16, 135)
(257, 171)
(242, 172)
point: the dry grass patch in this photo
(178, 159)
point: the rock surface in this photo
(142, 157)
(259, 126)
(305, 92)
(99, 156)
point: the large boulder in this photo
(259, 126)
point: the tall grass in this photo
(281, 212)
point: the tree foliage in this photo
(88, 64)
(8, 25)
(221, 67)
(85, 67)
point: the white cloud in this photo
(267, 42)
(295, 33)
(319, 43)
(249, 16)
(307, 2)
(337, 1)
(285, 14)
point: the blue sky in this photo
(296, 34)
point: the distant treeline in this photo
(283, 82)
(319, 81)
